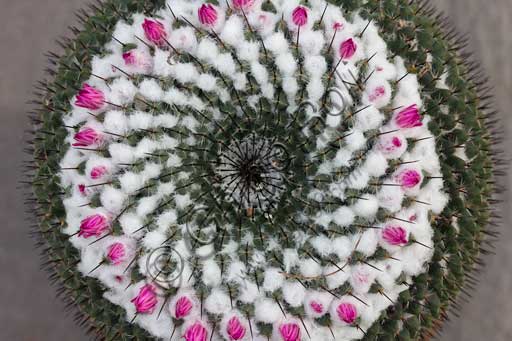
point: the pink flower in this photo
(145, 301)
(90, 98)
(154, 31)
(183, 307)
(409, 178)
(409, 117)
(300, 16)
(116, 253)
(93, 225)
(235, 329)
(395, 235)
(289, 331)
(137, 58)
(86, 137)
(377, 93)
(243, 4)
(347, 312)
(196, 332)
(348, 48)
(98, 171)
(207, 14)
(317, 307)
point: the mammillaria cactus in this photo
(263, 170)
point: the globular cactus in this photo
(263, 170)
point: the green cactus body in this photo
(256, 170)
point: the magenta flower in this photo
(154, 31)
(183, 307)
(196, 332)
(395, 235)
(145, 301)
(317, 307)
(300, 16)
(347, 312)
(409, 178)
(235, 329)
(409, 117)
(289, 331)
(242, 4)
(90, 98)
(93, 225)
(348, 48)
(207, 14)
(98, 171)
(86, 137)
(116, 253)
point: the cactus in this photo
(263, 170)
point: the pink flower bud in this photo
(154, 31)
(86, 137)
(300, 16)
(409, 178)
(337, 26)
(207, 14)
(392, 146)
(93, 225)
(145, 301)
(137, 58)
(98, 171)
(90, 98)
(289, 332)
(183, 307)
(409, 117)
(116, 253)
(244, 5)
(348, 48)
(196, 332)
(317, 307)
(395, 235)
(347, 312)
(235, 329)
(377, 93)
(82, 189)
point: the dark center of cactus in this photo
(251, 171)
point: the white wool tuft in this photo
(113, 199)
(273, 279)
(150, 89)
(267, 311)
(366, 207)
(342, 247)
(310, 268)
(375, 164)
(294, 293)
(211, 273)
(217, 302)
(343, 216)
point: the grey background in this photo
(28, 307)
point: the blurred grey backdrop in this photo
(29, 309)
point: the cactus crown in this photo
(254, 170)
